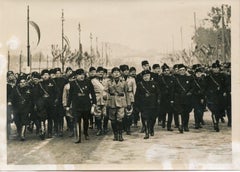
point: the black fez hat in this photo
(144, 62)
(195, 66)
(124, 67)
(79, 72)
(67, 69)
(181, 66)
(52, 71)
(36, 75)
(164, 67)
(72, 74)
(91, 69)
(22, 77)
(146, 72)
(198, 70)
(99, 69)
(57, 69)
(132, 69)
(44, 71)
(10, 73)
(155, 66)
(175, 66)
(115, 69)
(105, 70)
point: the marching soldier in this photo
(21, 100)
(198, 97)
(101, 97)
(81, 97)
(215, 92)
(228, 93)
(147, 99)
(182, 95)
(60, 112)
(131, 83)
(166, 84)
(47, 99)
(11, 82)
(91, 75)
(117, 102)
(65, 96)
(175, 114)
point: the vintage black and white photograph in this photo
(119, 85)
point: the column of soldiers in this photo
(119, 97)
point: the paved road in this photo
(197, 149)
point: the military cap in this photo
(146, 72)
(52, 71)
(10, 73)
(79, 72)
(57, 69)
(22, 77)
(132, 69)
(105, 70)
(155, 66)
(92, 68)
(198, 70)
(145, 62)
(124, 67)
(195, 66)
(100, 69)
(67, 69)
(181, 66)
(44, 71)
(175, 66)
(115, 69)
(72, 74)
(36, 75)
(164, 67)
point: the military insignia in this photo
(187, 82)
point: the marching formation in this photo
(162, 95)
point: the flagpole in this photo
(28, 44)
(20, 63)
(8, 60)
(62, 40)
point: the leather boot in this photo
(120, 129)
(146, 133)
(77, 131)
(114, 128)
(180, 128)
(23, 131)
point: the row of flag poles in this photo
(63, 54)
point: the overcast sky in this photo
(139, 24)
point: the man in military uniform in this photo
(11, 82)
(92, 74)
(82, 97)
(60, 112)
(131, 83)
(215, 92)
(175, 114)
(147, 99)
(182, 95)
(228, 93)
(117, 102)
(198, 97)
(47, 99)
(166, 84)
(21, 99)
(101, 96)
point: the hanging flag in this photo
(36, 27)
